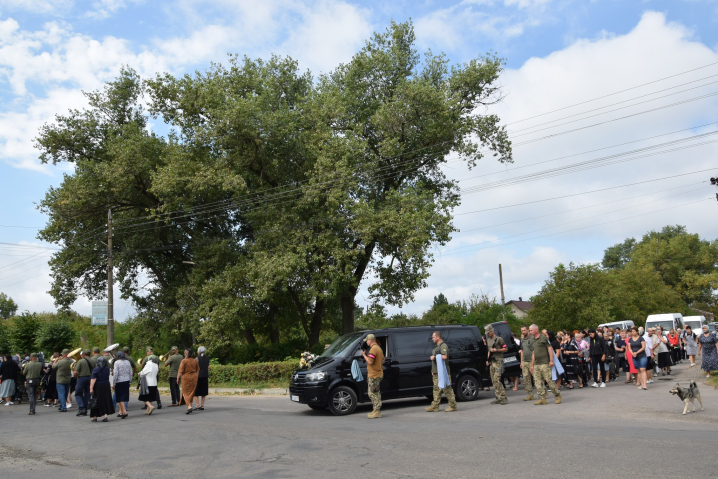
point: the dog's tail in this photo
(693, 384)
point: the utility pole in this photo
(110, 284)
(503, 303)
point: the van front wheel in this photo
(467, 388)
(342, 401)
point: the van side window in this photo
(413, 344)
(461, 340)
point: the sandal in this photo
(627, 381)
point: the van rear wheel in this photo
(467, 388)
(342, 401)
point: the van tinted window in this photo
(415, 343)
(461, 340)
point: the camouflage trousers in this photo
(542, 372)
(448, 392)
(526, 372)
(375, 392)
(496, 370)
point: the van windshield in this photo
(341, 346)
(695, 325)
(666, 325)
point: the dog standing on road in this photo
(688, 395)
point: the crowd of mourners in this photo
(596, 357)
(101, 382)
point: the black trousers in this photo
(597, 366)
(174, 390)
(32, 396)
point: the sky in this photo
(611, 106)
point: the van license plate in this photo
(295, 398)
(508, 360)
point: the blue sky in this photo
(558, 53)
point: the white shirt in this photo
(649, 345)
(150, 372)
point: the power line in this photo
(581, 228)
(615, 93)
(584, 192)
(572, 222)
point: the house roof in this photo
(522, 305)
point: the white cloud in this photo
(586, 69)
(36, 6)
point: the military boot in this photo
(495, 401)
(450, 409)
(376, 413)
(530, 397)
(504, 401)
(540, 402)
(558, 399)
(432, 408)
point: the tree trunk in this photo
(273, 331)
(249, 336)
(315, 327)
(347, 304)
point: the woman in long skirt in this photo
(707, 344)
(121, 377)
(187, 374)
(101, 391)
(202, 389)
(149, 375)
(572, 353)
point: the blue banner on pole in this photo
(99, 313)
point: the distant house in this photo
(520, 308)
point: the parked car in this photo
(617, 324)
(329, 384)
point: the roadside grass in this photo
(713, 381)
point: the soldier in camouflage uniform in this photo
(442, 349)
(526, 357)
(541, 364)
(375, 373)
(495, 361)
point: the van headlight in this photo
(318, 376)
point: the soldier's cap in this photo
(96, 350)
(33, 355)
(65, 351)
(488, 328)
(174, 348)
(149, 349)
(86, 352)
(370, 336)
(126, 349)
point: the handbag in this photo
(92, 403)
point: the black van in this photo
(407, 368)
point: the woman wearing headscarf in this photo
(50, 382)
(100, 391)
(707, 344)
(121, 378)
(187, 374)
(149, 375)
(202, 389)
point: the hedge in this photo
(245, 373)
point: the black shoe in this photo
(189, 411)
(94, 419)
(79, 413)
(159, 406)
(201, 409)
(104, 420)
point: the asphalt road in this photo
(618, 431)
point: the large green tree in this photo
(8, 307)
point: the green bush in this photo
(245, 373)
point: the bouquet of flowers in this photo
(307, 360)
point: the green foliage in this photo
(440, 300)
(8, 307)
(54, 336)
(618, 255)
(4, 337)
(584, 296)
(23, 333)
(245, 373)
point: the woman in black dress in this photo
(572, 353)
(101, 391)
(51, 389)
(202, 388)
